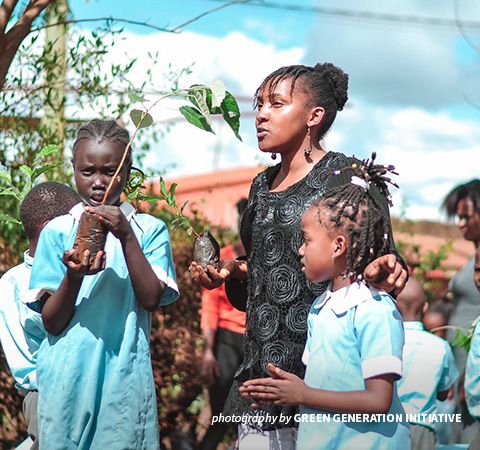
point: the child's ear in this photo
(340, 245)
(425, 308)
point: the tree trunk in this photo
(10, 41)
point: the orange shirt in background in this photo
(217, 312)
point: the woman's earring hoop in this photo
(273, 156)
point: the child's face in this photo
(317, 248)
(476, 269)
(95, 165)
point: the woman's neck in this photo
(295, 167)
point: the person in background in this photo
(436, 317)
(429, 368)
(21, 329)
(472, 370)
(223, 327)
(296, 106)
(463, 202)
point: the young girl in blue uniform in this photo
(355, 333)
(94, 369)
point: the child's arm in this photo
(58, 308)
(288, 389)
(147, 287)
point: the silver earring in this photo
(273, 156)
(308, 150)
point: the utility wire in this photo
(364, 15)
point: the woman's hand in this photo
(386, 273)
(212, 278)
(283, 388)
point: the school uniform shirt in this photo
(428, 368)
(95, 380)
(354, 333)
(472, 375)
(21, 329)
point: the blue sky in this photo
(414, 88)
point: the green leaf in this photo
(26, 170)
(9, 219)
(218, 93)
(41, 170)
(52, 148)
(163, 188)
(135, 98)
(141, 119)
(5, 176)
(200, 96)
(231, 113)
(183, 206)
(10, 191)
(189, 231)
(195, 117)
(462, 340)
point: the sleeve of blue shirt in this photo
(472, 375)
(379, 329)
(450, 372)
(157, 249)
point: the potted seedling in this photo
(207, 101)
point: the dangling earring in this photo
(308, 150)
(273, 156)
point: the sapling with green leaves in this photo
(207, 101)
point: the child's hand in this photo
(83, 267)
(283, 388)
(113, 219)
(386, 273)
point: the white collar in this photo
(127, 209)
(347, 297)
(27, 259)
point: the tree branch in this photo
(103, 19)
(6, 13)
(188, 22)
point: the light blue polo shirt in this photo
(21, 329)
(354, 333)
(472, 375)
(428, 368)
(96, 388)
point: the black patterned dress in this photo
(279, 295)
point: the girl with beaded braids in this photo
(94, 370)
(355, 334)
(296, 105)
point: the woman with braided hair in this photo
(354, 327)
(296, 105)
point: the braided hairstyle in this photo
(44, 202)
(470, 190)
(104, 130)
(352, 208)
(326, 85)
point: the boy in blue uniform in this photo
(429, 367)
(355, 335)
(21, 329)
